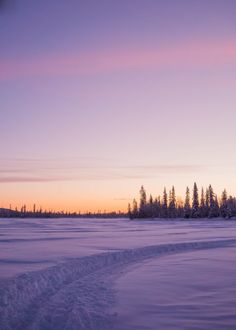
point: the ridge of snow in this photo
(77, 294)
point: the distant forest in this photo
(207, 205)
(24, 213)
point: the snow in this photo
(194, 290)
(117, 274)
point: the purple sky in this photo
(99, 97)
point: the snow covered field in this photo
(117, 274)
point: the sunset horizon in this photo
(101, 99)
(117, 164)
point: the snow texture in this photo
(77, 294)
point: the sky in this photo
(99, 97)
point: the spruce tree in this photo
(217, 208)
(195, 205)
(207, 202)
(231, 206)
(172, 203)
(202, 205)
(224, 210)
(130, 212)
(187, 207)
(150, 207)
(143, 203)
(213, 208)
(135, 209)
(150, 200)
(143, 197)
(157, 207)
(164, 206)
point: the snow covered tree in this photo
(150, 207)
(170, 206)
(129, 211)
(150, 200)
(207, 202)
(172, 203)
(143, 203)
(223, 204)
(143, 197)
(231, 206)
(195, 205)
(164, 206)
(179, 208)
(169, 199)
(157, 207)
(224, 207)
(202, 204)
(217, 205)
(187, 207)
(135, 209)
(214, 209)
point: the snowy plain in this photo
(117, 274)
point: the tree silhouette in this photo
(187, 207)
(172, 203)
(171, 207)
(164, 206)
(195, 205)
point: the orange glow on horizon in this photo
(93, 207)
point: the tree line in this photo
(203, 205)
(40, 213)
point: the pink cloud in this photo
(49, 170)
(191, 55)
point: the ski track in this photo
(77, 294)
